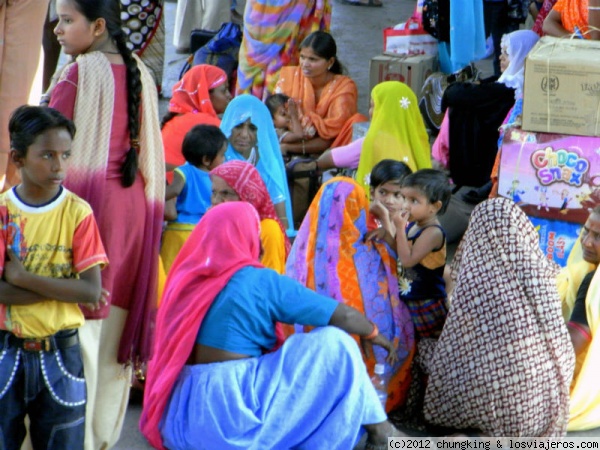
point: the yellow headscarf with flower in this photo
(396, 132)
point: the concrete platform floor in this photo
(358, 33)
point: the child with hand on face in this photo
(386, 198)
(284, 111)
(203, 149)
(412, 227)
(421, 247)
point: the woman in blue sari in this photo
(248, 125)
(216, 380)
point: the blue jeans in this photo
(50, 388)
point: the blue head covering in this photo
(270, 162)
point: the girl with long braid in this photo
(119, 169)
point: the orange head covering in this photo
(191, 93)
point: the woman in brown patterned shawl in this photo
(503, 363)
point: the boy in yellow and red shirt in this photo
(51, 255)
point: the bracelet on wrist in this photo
(303, 148)
(594, 8)
(373, 333)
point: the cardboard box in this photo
(412, 70)
(562, 87)
(553, 177)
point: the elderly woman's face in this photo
(221, 191)
(243, 137)
(504, 60)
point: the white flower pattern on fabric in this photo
(367, 179)
(404, 102)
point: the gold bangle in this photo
(303, 148)
(373, 334)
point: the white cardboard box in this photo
(562, 87)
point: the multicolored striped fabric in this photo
(329, 255)
(273, 31)
(428, 316)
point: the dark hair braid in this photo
(134, 101)
(110, 11)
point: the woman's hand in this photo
(284, 147)
(382, 341)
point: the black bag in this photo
(199, 38)
(517, 10)
(304, 180)
(221, 50)
(436, 19)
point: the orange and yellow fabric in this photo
(333, 115)
(329, 256)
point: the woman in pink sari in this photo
(118, 169)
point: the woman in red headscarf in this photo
(238, 180)
(198, 98)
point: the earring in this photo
(329, 68)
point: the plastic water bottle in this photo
(380, 383)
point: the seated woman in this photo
(198, 98)
(239, 180)
(271, 40)
(581, 306)
(248, 125)
(326, 98)
(396, 132)
(215, 382)
(581, 17)
(330, 256)
(504, 361)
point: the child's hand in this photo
(378, 210)
(292, 109)
(13, 268)
(377, 234)
(100, 303)
(400, 219)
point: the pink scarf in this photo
(223, 242)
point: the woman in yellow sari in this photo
(396, 132)
(326, 100)
(579, 286)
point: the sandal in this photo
(359, 3)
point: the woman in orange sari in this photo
(357, 273)
(325, 100)
(581, 17)
(198, 98)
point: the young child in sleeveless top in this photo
(203, 149)
(422, 249)
(284, 112)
